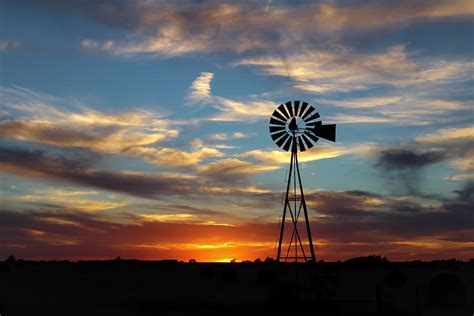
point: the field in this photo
(362, 286)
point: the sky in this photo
(140, 128)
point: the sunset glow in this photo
(139, 129)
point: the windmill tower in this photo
(294, 126)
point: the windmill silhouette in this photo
(295, 126)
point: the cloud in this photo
(405, 163)
(225, 176)
(460, 177)
(8, 45)
(127, 134)
(457, 143)
(239, 135)
(282, 157)
(219, 137)
(66, 134)
(370, 218)
(345, 224)
(230, 110)
(411, 84)
(449, 135)
(249, 110)
(90, 44)
(343, 70)
(229, 168)
(395, 159)
(412, 109)
(39, 118)
(225, 136)
(167, 217)
(80, 201)
(73, 169)
(170, 29)
(358, 119)
(200, 90)
(173, 157)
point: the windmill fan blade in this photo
(311, 125)
(310, 110)
(327, 131)
(310, 135)
(303, 108)
(276, 128)
(278, 135)
(312, 118)
(307, 142)
(288, 144)
(297, 105)
(300, 142)
(289, 108)
(282, 140)
(283, 111)
(276, 122)
(278, 115)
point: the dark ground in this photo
(361, 286)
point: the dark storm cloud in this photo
(395, 159)
(404, 165)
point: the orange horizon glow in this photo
(216, 248)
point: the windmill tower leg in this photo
(285, 207)
(305, 210)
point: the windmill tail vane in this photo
(296, 126)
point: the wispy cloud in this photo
(449, 135)
(38, 118)
(342, 70)
(174, 29)
(83, 203)
(168, 156)
(232, 167)
(230, 110)
(460, 177)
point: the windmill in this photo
(295, 126)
